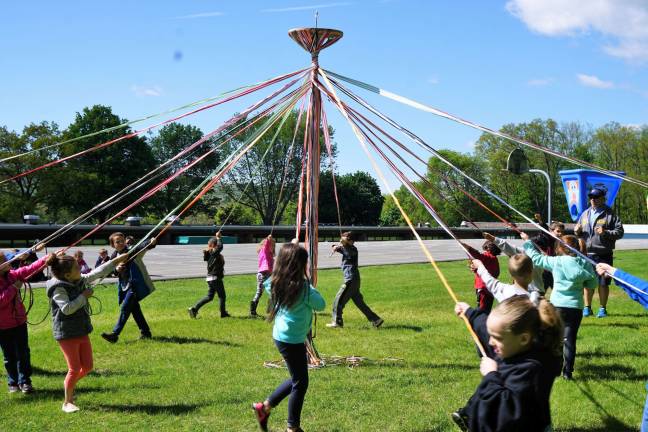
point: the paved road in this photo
(177, 262)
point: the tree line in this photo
(261, 188)
(612, 146)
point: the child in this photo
(68, 292)
(14, 339)
(85, 268)
(514, 393)
(489, 258)
(266, 251)
(292, 302)
(350, 289)
(537, 282)
(133, 286)
(215, 274)
(547, 244)
(570, 274)
(520, 268)
(102, 258)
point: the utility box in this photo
(578, 182)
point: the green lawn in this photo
(203, 374)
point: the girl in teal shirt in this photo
(292, 302)
(571, 274)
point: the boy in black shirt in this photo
(215, 274)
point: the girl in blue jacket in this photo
(292, 302)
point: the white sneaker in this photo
(69, 408)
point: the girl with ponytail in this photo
(68, 292)
(526, 343)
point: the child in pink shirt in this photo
(266, 251)
(14, 339)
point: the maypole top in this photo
(314, 39)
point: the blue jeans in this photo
(295, 386)
(130, 305)
(15, 349)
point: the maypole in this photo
(313, 40)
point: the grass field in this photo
(203, 374)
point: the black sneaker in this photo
(26, 388)
(378, 322)
(567, 376)
(110, 337)
(144, 336)
(13, 388)
(225, 315)
(460, 420)
(192, 313)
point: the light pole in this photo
(517, 163)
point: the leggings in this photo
(572, 319)
(295, 386)
(78, 355)
(261, 278)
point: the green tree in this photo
(23, 195)
(97, 175)
(528, 192)
(268, 184)
(622, 148)
(360, 199)
(170, 140)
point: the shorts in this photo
(606, 259)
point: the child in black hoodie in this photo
(215, 274)
(525, 342)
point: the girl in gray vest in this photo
(68, 292)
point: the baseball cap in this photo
(596, 193)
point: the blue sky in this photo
(492, 62)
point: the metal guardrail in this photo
(14, 235)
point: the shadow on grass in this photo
(623, 395)
(182, 340)
(417, 329)
(610, 423)
(248, 317)
(151, 409)
(49, 394)
(389, 363)
(630, 315)
(602, 354)
(631, 326)
(610, 372)
(54, 373)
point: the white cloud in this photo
(434, 80)
(200, 15)
(538, 82)
(306, 7)
(623, 22)
(142, 91)
(594, 81)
